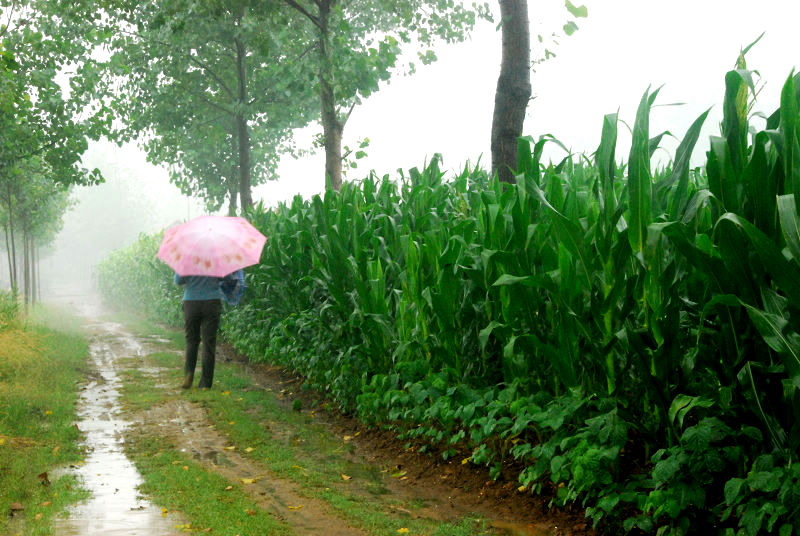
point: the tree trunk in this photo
(233, 197)
(243, 132)
(26, 268)
(513, 88)
(233, 190)
(13, 249)
(8, 256)
(332, 126)
(37, 276)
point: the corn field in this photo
(613, 337)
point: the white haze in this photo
(621, 49)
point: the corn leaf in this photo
(639, 181)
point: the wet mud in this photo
(115, 507)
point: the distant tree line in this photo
(42, 135)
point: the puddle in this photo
(115, 507)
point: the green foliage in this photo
(628, 338)
(43, 132)
(134, 279)
(9, 311)
(208, 82)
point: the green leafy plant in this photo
(625, 338)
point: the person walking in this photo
(202, 308)
(201, 251)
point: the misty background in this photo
(621, 49)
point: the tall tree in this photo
(514, 82)
(513, 87)
(213, 88)
(357, 45)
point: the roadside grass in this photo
(289, 444)
(56, 318)
(175, 482)
(40, 369)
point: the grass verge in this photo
(39, 372)
(175, 482)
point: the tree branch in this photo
(347, 115)
(192, 59)
(308, 15)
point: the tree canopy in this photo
(208, 91)
(215, 89)
(43, 129)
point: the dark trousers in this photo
(201, 321)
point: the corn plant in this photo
(627, 336)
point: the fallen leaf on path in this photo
(55, 449)
(2, 440)
(345, 477)
(348, 437)
(402, 530)
(185, 467)
(17, 507)
(225, 393)
(298, 507)
(229, 488)
(163, 512)
(38, 516)
(47, 503)
(231, 422)
(231, 447)
(521, 488)
(250, 512)
(249, 450)
(398, 474)
(248, 480)
(48, 412)
(44, 479)
(465, 461)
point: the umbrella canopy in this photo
(211, 246)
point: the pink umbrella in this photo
(211, 245)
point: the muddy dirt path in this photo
(115, 507)
(445, 491)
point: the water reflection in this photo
(115, 508)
